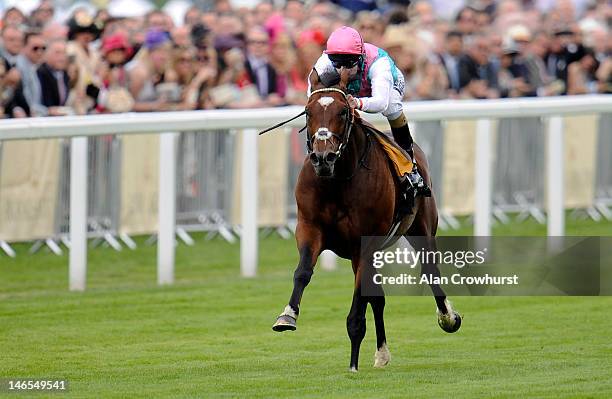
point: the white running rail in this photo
(78, 128)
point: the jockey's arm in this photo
(382, 85)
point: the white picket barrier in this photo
(80, 127)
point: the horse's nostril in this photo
(331, 157)
(314, 158)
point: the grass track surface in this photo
(210, 334)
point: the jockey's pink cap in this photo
(345, 40)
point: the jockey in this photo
(376, 85)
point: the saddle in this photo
(402, 164)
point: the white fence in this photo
(78, 128)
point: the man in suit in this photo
(27, 97)
(53, 77)
(51, 83)
(564, 50)
(450, 59)
(477, 74)
(259, 70)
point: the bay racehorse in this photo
(346, 190)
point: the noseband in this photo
(325, 134)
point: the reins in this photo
(282, 123)
(348, 125)
(346, 134)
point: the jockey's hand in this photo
(352, 101)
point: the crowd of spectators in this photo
(225, 57)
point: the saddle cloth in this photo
(399, 159)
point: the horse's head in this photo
(329, 120)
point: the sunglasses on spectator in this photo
(39, 48)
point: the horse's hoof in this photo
(353, 369)
(284, 323)
(382, 356)
(450, 322)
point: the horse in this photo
(346, 190)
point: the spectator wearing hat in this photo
(114, 95)
(563, 51)
(82, 31)
(151, 79)
(513, 74)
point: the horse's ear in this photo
(344, 78)
(314, 80)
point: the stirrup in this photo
(417, 184)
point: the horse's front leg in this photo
(309, 242)
(356, 324)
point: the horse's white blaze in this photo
(325, 101)
(382, 357)
(289, 312)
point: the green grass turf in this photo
(209, 335)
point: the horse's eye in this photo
(344, 112)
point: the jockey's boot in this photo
(402, 136)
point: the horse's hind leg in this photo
(448, 319)
(382, 356)
(309, 244)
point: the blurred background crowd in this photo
(79, 59)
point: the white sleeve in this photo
(322, 65)
(382, 85)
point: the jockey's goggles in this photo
(344, 60)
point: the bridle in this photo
(325, 134)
